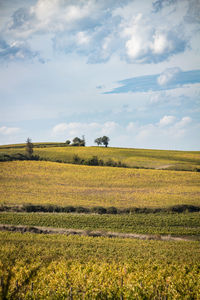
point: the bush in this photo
(77, 160)
(99, 210)
(93, 161)
(112, 210)
(184, 208)
(69, 209)
(80, 209)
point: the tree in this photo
(98, 141)
(29, 148)
(68, 142)
(105, 140)
(78, 142)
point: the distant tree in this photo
(78, 142)
(68, 142)
(105, 140)
(29, 148)
(98, 141)
(83, 141)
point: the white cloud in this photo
(8, 130)
(167, 120)
(183, 122)
(168, 75)
(91, 129)
(131, 127)
(60, 128)
(168, 133)
(145, 43)
(82, 38)
(109, 128)
(161, 44)
(128, 29)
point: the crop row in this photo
(58, 267)
(173, 224)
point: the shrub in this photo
(80, 209)
(99, 210)
(77, 160)
(93, 161)
(69, 209)
(112, 210)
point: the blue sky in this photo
(126, 69)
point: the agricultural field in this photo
(182, 224)
(60, 266)
(39, 182)
(138, 158)
(72, 267)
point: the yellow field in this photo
(63, 184)
(184, 160)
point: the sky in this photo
(127, 69)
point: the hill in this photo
(40, 182)
(133, 158)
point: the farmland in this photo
(64, 184)
(162, 223)
(139, 158)
(60, 267)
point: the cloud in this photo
(78, 129)
(60, 128)
(168, 133)
(17, 50)
(168, 75)
(167, 120)
(183, 122)
(135, 31)
(148, 44)
(158, 5)
(8, 130)
(169, 79)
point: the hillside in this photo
(134, 158)
(40, 182)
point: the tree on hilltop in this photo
(105, 140)
(78, 142)
(102, 141)
(29, 148)
(98, 141)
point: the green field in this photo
(173, 224)
(66, 184)
(140, 158)
(65, 267)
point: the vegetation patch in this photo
(133, 158)
(159, 223)
(53, 267)
(65, 185)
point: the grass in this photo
(60, 267)
(62, 184)
(173, 224)
(139, 158)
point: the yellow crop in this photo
(60, 267)
(63, 184)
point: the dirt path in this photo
(163, 167)
(96, 233)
